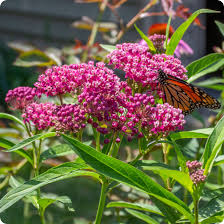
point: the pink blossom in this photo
(41, 115)
(141, 66)
(59, 80)
(20, 97)
(70, 117)
(162, 119)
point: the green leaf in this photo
(137, 206)
(212, 208)
(165, 171)
(167, 31)
(127, 174)
(141, 216)
(146, 39)
(199, 133)
(203, 63)
(213, 83)
(64, 171)
(56, 151)
(212, 68)
(13, 118)
(220, 26)
(219, 160)
(178, 34)
(34, 58)
(108, 48)
(213, 146)
(30, 140)
(6, 144)
(46, 201)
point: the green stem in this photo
(94, 30)
(196, 211)
(112, 148)
(166, 161)
(102, 201)
(98, 141)
(42, 217)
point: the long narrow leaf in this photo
(127, 174)
(146, 39)
(158, 168)
(213, 146)
(206, 71)
(30, 140)
(203, 63)
(142, 216)
(199, 133)
(177, 36)
(137, 206)
(64, 171)
(13, 118)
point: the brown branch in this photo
(136, 18)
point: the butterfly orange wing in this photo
(185, 96)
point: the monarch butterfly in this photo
(183, 95)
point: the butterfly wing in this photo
(185, 96)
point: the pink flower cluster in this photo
(59, 80)
(69, 117)
(142, 67)
(41, 115)
(20, 97)
(196, 173)
(101, 94)
(162, 119)
(103, 100)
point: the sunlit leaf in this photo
(64, 171)
(146, 39)
(34, 58)
(142, 216)
(178, 34)
(213, 146)
(127, 174)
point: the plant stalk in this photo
(94, 30)
(102, 201)
(196, 211)
(135, 18)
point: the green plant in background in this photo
(89, 112)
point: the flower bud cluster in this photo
(196, 173)
(20, 97)
(70, 117)
(41, 115)
(158, 42)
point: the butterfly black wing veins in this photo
(185, 99)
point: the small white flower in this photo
(0, 5)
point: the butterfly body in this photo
(183, 95)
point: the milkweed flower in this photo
(196, 173)
(70, 117)
(101, 93)
(42, 115)
(142, 67)
(20, 97)
(162, 119)
(59, 80)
